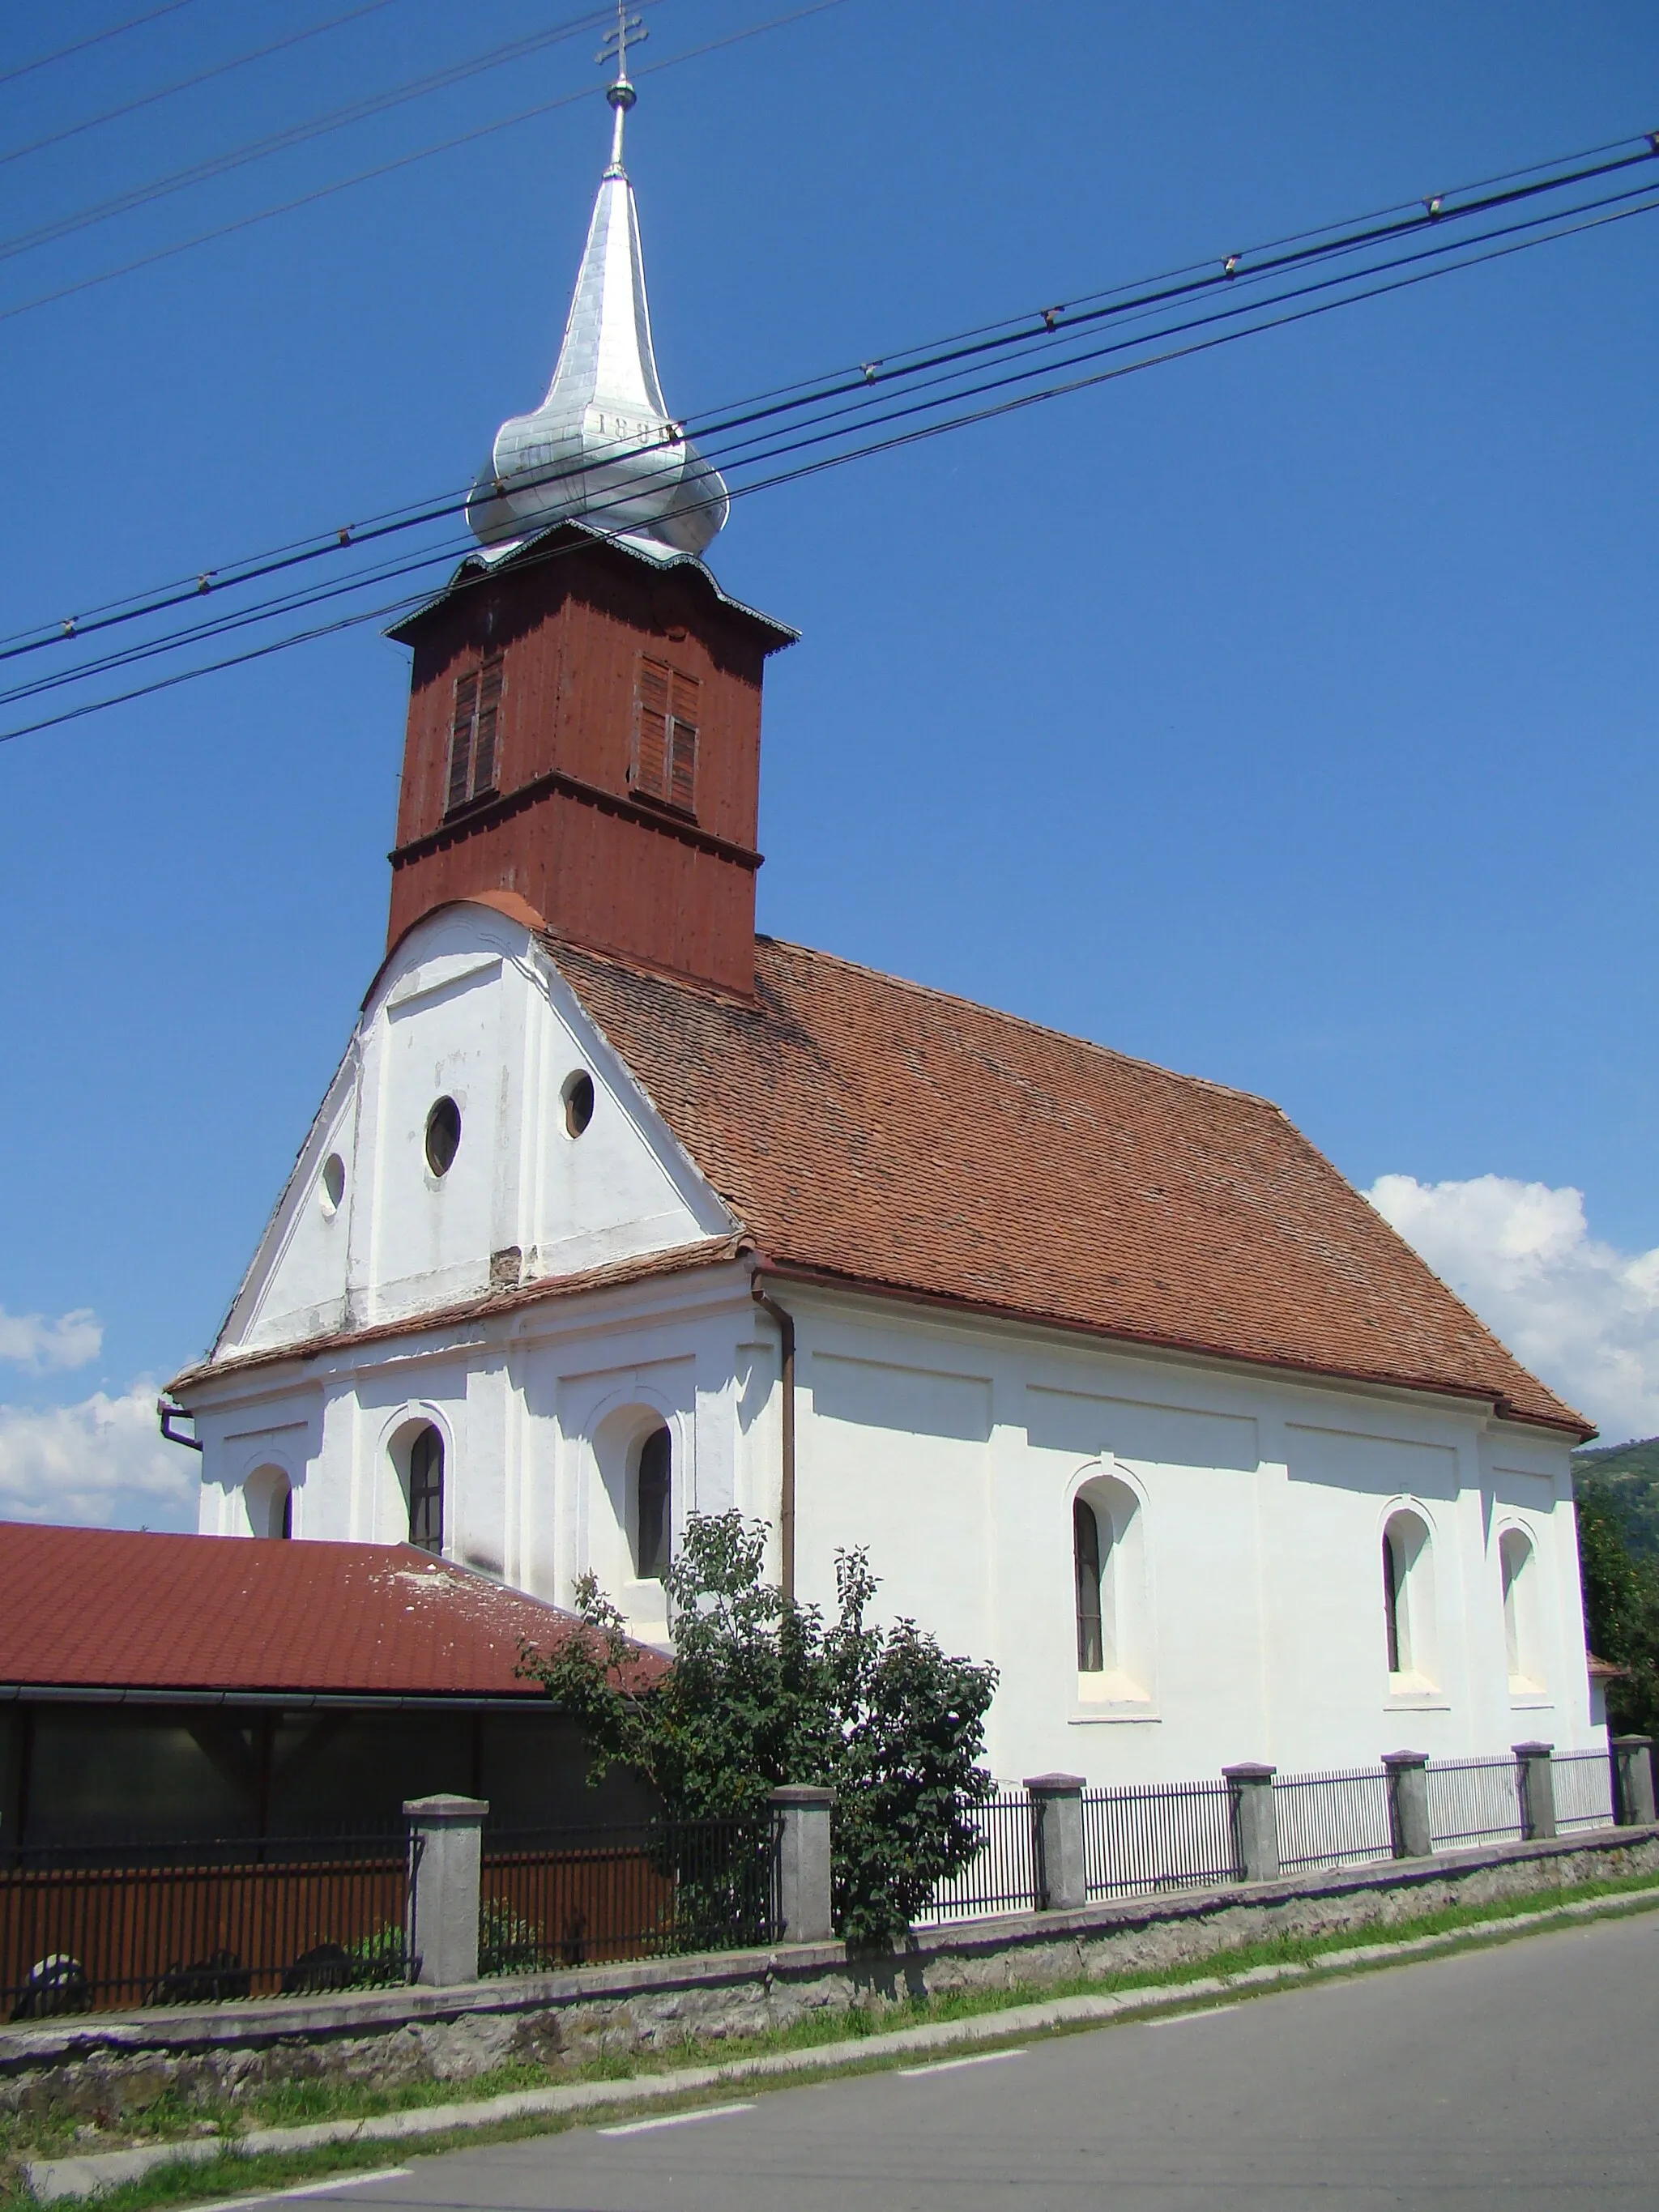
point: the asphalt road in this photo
(1524, 2075)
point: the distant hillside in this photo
(1627, 1476)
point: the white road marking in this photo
(311, 2189)
(1200, 2012)
(676, 2120)
(950, 2065)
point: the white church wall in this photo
(429, 1235)
(247, 1442)
(926, 1521)
(1252, 1613)
(468, 1009)
(1532, 1504)
(1245, 1618)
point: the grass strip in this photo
(171, 2117)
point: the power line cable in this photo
(190, 83)
(300, 134)
(915, 434)
(97, 39)
(1053, 328)
(387, 168)
(771, 446)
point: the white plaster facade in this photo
(1242, 1511)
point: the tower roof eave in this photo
(565, 536)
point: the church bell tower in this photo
(585, 703)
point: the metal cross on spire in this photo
(629, 30)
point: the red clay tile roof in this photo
(104, 1607)
(875, 1130)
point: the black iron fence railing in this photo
(1001, 1877)
(1176, 1835)
(1332, 1820)
(1583, 1782)
(85, 1931)
(575, 1897)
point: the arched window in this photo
(1086, 1554)
(1114, 1662)
(426, 1490)
(1516, 1562)
(269, 1502)
(653, 1505)
(1408, 1610)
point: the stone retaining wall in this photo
(105, 2070)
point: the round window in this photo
(577, 1102)
(333, 1184)
(443, 1136)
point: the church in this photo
(617, 1212)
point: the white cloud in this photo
(102, 1462)
(31, 1340)
(1580, 1314)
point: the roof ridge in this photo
(723, 995)
(1022, 1022)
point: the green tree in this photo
(763, 1691)
(1621, 1611)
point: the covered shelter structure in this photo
(173, 1688)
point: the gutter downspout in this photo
(168, 1413)
(786, 1485)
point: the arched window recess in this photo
(1112, 1608)
(1517, 1562)
(1409, 1624)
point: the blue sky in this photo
(1286, 716)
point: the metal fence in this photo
(1583, 1782)
(84, 1931)
(1332, 1820)
(1001, 1877)
(575, 1897)
(1474, 1800)
(106, 1928)
(1176, 1835)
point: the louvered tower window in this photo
(472, 733)
(667, 710)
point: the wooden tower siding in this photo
(622, 800)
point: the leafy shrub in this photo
(764, 1691)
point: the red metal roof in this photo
(104, 1608)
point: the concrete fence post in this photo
(802, 1813)
(1408, 1802)
(1535, 1787)
(1255, 1824)
(1059, 1878)
(444, 1851)
(1632, 1780)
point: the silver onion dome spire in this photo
(602, 447)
